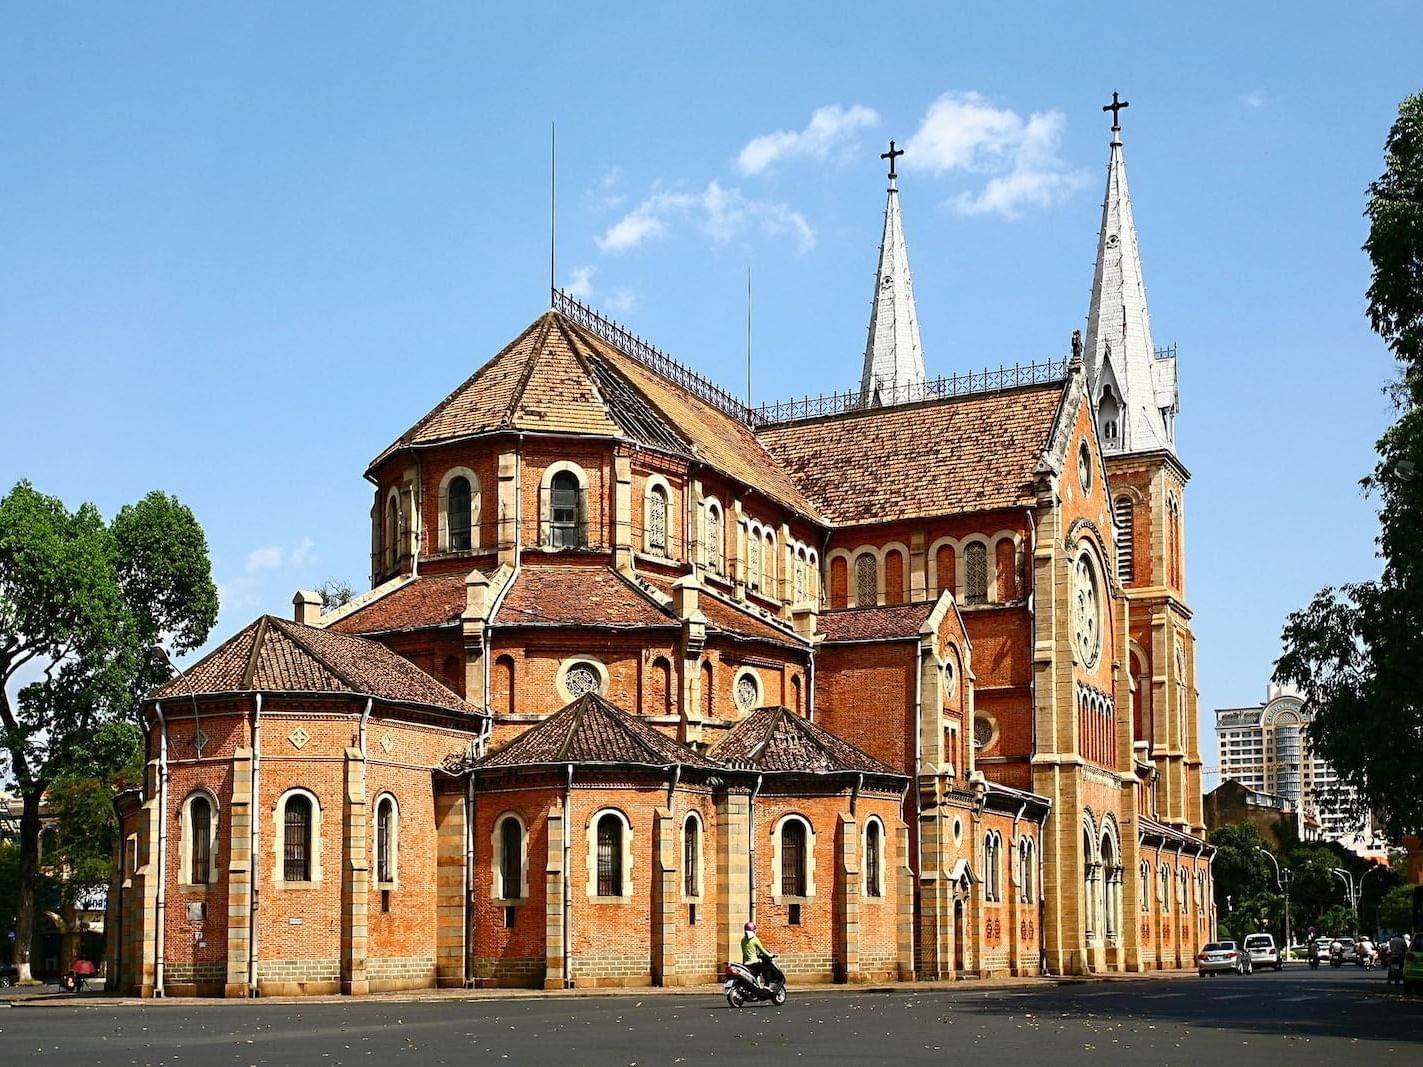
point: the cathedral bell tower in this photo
(894, 357)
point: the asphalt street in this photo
(1299, 1016)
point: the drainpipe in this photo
(254, 860)
(417, 504)
(161, 902)
(567, 882)
(810, 685)
(855, 792)
(1042, 903)
(469, 878)
(918, 895)
(487, 730)
(751, 849)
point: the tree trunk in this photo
(29, 875)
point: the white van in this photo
(1263, 952)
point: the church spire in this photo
(1133, 391)
(894, 357)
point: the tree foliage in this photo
(1396, 909)
(1357, 651)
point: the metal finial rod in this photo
(1115, 107)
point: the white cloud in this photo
(830, 131)
(720, 212)
(265, 559)
(624, 300)
(963, 132)
(580, 283)
(606, 195)
(270, 557)
(1255, 100)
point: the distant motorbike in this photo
(1368, 958)
(742, 986)
(1314, 963)
(78, 976)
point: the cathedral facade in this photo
(906, 675)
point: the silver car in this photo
(1223, 957)
(1262, 951)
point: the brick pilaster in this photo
(241, 869)
(554, 874)
(451, 935)
(355, 879)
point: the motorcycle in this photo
(1314, 963)
(1336, 959)
(78, 976)
(1368, 959)
(742, 986)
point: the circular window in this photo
(983, 732)
(1086, 611)
(958, 830)
(748, 690)
(1084, 467)
(949, 674)
(582, 679)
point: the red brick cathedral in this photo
(905, 674)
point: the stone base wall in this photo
(698, 969)
(408, 972)
(294, 978)
(194, 979)
(879, 966)
(511, 972)
(812, 967)
(609, 969)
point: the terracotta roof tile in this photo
(274, 655)
(591, 730)
(567, 595)
(869, 624)
(777, 739)
(420, 604)
(971, 453)
(730, 618)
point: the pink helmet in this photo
(750, 928)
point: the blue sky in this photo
(245, 246)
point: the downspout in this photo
(161, 902)
(469, 879)
(810, 685)
(567, 882)
(254, 856)
(487, 730)
(417, 505)
(751, 849)
(1042, 904)
(855, 791)
(918, 894)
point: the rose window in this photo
(580, 680)
(982, 732)
(748, 693)
(1086, 612)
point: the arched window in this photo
(839, 582)
(753, 559)
(894, 577)
(975, 558)
(708, 696)
(799, 581)
(1109, 411)
(386, 843)
(297, 842)
(511, 858)
(795, 695)
(691, 856)
(866, 580)
(610, 855)
(716, 546)
(459, 514)
(565, 526)
(1005, 552)
(200, 833)
(874, 859)
(768, 566)
(656, 521)
(1027, 871)
(1184, 897)
(659, 697)
(502, 697)
(944, 565)
(1163, 891)
(992, 867)
(1145, 887)
(392, 532)
(793, 873)
(1122, 512)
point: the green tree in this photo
(1357, 651)
(85, 603)
(1239, 870)
(1396, 909)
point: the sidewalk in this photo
(50, 995)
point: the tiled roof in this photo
(729, 618)
(419, 604)
(591, 730)
(275, 655)
(870, 624)
(563, 595)
(777, 739)
(558, 377)
(972, 453)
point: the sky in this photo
(245, 246)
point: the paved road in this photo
(1295, 1017)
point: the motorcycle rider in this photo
(751, 952)
(1336, 950)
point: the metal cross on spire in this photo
(1115, 108)
(891, 155)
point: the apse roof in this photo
(777, 739)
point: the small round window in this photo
(748, 690)
(581, 679)
(1084, 467)
(983, 732)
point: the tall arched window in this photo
(511, 858)
(392, 533)
(1123, 514)
(200, 839)
(798, 588)
(992, 868)
(1145, 887)
(1027, 871)
(691, 855)
(716, 546)
(385, 840)
(793, 873)
(866, 580)
(874, 859)
(656, 521)
(565, 500)
(297, 840)
(660, 697)
(708, 696)
(944, 565)
(610, 856)
(459, 514)
(753, 559)
(839, 582)
(975, 558)
(768, 566)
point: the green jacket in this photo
(750, 945)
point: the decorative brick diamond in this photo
(200, 741)
(387, 743)
(299, 737)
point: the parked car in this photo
(1413, 966)
(1223, 957)
(9, 975)
(1263, 952)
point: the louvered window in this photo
(458, 516)
(866, 580)
(296, 840)
(610, 856)
(385, 844)
(200, 828)
(511, 842)
(714, 541)
(768, 566)
(753, 560)
(689, 858)
(872, 860)
(793, 880)
(564, 506)
(657, 521)
(976, 574)
(1124, 519)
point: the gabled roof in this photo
(777, 739)
(889, 623)
(558, 377)
(592, 731)
(970, 453)
(566, 595)
(419, 604)
(274, 655)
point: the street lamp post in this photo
(1283, 876)
(1351, 892)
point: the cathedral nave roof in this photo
(889, 623)
(420, 604)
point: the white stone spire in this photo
(1133, 391)
(894, 357)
